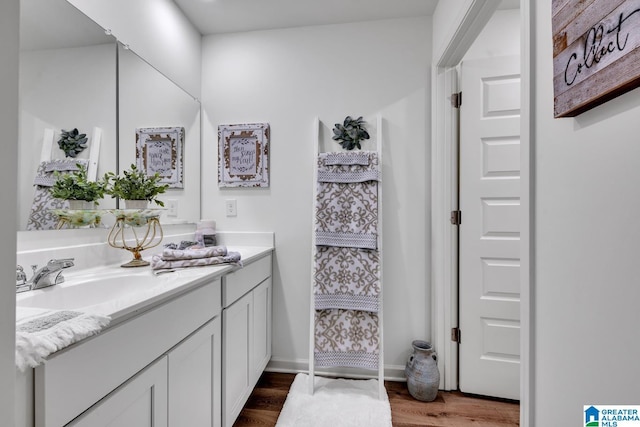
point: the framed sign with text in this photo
(596, 52)
(243, 155)
(160, 149)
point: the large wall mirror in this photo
(71, 76)
(149, 100)
(67, 81)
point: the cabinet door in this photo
(236, 320)
(140, 402)
(195, 379)
(261, 351)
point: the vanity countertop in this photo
(130, 290)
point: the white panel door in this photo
(489, 294)
(236, 360)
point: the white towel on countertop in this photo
(40, 332)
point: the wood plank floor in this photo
(450, 409)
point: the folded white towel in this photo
(40, 333)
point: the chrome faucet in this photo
(50, 274)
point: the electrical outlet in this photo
(172, 208)
(231, 207)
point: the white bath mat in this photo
(335, 403)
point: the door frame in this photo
(444, 199)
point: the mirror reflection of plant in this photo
(135, 185)
(76, 186)
(72, 142)
(350, 133)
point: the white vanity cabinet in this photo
(188, 358)
(181, 388)
(145, 368)
(246, 324)
(141, 401)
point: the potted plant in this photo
(76, 188)
(350, 133)
(135, 185)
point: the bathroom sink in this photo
(109, 291)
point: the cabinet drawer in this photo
(238, 283)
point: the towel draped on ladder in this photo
(347, 261)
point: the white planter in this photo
(136, 204)
(81, 205)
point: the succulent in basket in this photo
(76, 186)
(350, 133)
(135, 184)
(72, 142)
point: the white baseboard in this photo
(391, 372)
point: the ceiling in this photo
(227, 16)
(49, 24)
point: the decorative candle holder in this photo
(74, 218)
(149, 233)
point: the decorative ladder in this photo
(378, 248)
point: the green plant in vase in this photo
(134, 184)
(76, 186)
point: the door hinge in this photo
(456, 217)
(456, 335)
(456, 100)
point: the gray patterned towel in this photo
(346, 278)
(40, 333)
(347, 200)
(193, 253)
(346, 338)
(158, 263)
(41, 216)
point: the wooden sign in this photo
(596, 52)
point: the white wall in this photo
(446, 18)
(155, 29)
(287, 77)
(587, 250)
(500, 37)
(9, 19)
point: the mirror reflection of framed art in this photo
(160, 150)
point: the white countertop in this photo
(147, 289)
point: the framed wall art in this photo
(243, 155)
(595, 52)
(160, 149)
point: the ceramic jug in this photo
(423, 376)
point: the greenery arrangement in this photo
(72, 142)
(350, 133)
(76, 186)
(135, 185)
